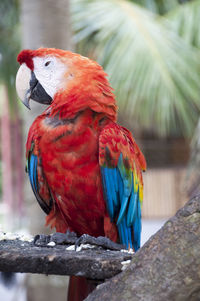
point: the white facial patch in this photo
(50, 71)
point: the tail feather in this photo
(79, 288)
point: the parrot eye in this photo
(47, 63)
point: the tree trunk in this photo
(165, 268)
(46, 24)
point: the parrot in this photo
(85, 169)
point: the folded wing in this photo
(121, 164)
(38, 181)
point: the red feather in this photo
(26, 56)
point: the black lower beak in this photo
(36, 93)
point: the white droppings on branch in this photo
(131, 251)
(125, 264)
(79, 248)
(84, 247)
(51, 244)
(71, 248)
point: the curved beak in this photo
(28, 87)
(23, 84)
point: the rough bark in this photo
(20, 256)
(167, 267)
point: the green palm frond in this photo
(155, 74)
(185, 21)
(158, 6)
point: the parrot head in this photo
(65, 81)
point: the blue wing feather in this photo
(33, 176)
(137, 228)
(132, 208)
(108, 191)
(123, 204)
(32, 171)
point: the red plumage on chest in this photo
(68, 150)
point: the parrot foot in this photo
(70, 238)
(100, 241)
(41, 240)
(57, 238)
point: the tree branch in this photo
(25, 257)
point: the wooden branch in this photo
(21, 256)
(167, 267)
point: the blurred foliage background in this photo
(11, 125)
(151, 54)
(10, 42)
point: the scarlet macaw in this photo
(85, 169)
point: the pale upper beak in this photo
(23, 78)
(28, 87)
